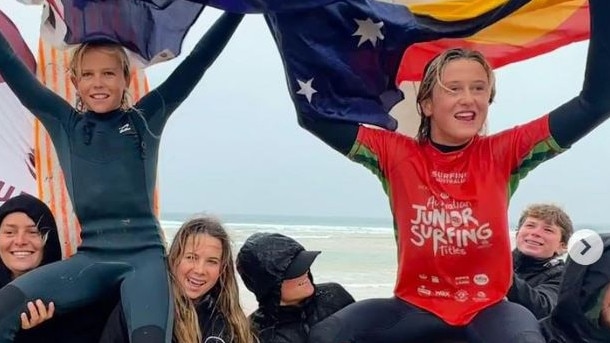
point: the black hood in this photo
(580, 292)
(262, 263)
(40, 213)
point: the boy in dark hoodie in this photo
(582, 314)
(78, 327)
(276, 269)
(542, 238)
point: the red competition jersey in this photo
(450, 213)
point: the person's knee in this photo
(528, 337)
(327, 331)
(522, 336)
(505, 323)
(148, 334)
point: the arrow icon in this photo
(587, 246)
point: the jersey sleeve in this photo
(521, 149)
(378, 150)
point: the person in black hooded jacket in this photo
(41, 241)
(27, 225)
(582, 314)
(542, 237)
(276, 269)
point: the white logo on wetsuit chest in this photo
(125, 128)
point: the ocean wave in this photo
(299, 231)
(169, 224)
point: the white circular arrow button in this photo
(585, 247)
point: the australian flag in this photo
(341, 57)
(153, 30)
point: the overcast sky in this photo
(234, 147)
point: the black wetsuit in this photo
(109, 163)
(394, 320)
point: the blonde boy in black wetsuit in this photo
(108, 153)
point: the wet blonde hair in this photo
(110, 48)
(186, 326)
(432, 77)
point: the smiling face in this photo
(539, 239)
(293, 291)
(198, 269)
(101, 77)
(459, 103)
(21, 244)
(454, 96)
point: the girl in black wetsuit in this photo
(108, 153)
(449, 191)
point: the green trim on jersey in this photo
(541, 152)
(361, 154)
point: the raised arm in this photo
(41, 101)
(162, 101)
(575, 119)
(339, 135)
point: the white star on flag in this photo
(306, 89)
(368, 30)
